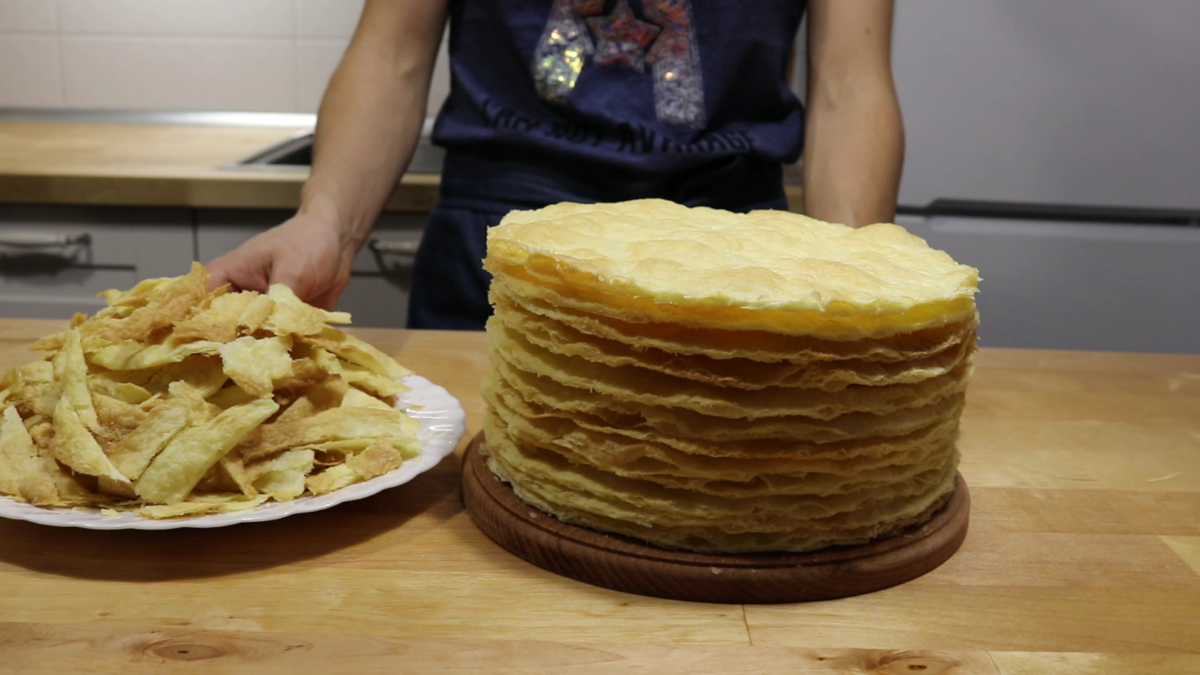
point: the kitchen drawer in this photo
(58, 295)
(54, 260)
(381, 274)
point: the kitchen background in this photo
(245, 55)
(1052, 145)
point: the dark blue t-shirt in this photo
(617, 99)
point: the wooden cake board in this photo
(624, 564)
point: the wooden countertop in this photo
(1083, 557)
(110, 164)
(113, 164)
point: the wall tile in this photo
(178, 54)
(210, 18)
(178, 74)
(327, 18)
(30, 75)
(317, 59)
(28, 16)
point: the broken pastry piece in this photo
(173, 401)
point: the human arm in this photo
(854, 135)
(367, 128)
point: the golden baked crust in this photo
(736, 372)
(638, 384)
(653, 260)
(675, 518)
(724, 383)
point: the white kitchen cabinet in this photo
(1073, 285)
(55, 259)
(381, 275)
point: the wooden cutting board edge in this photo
(624, 564)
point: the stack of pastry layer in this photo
(717, 382)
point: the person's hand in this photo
(305, 253)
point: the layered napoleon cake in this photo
(720, 382)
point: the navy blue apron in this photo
(598, 101)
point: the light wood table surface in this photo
(1083, 557)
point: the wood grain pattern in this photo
(69, 650)
(623, 564)
(1083, 556)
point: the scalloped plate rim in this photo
(442, 423)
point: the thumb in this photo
(240, 271)
(217, 276)
(327, 300)
(288, 275)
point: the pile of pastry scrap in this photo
(174, 401)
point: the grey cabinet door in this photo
(381, 276)
(1059, 285)
(54, 260)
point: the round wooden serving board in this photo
(624, 564)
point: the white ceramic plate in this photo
(442, 423)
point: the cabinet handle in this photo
(401, 246)
(43, 240)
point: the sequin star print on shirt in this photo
(648, 85)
